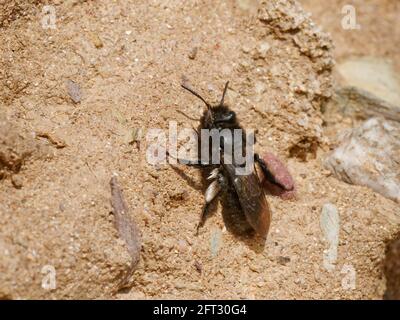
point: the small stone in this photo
(178, 195)
(254, 268)
(262, 49)
(180, 285)
(198, 266)
(303, 122)
(182, 246)
(215, 242)
(329, 222)
(133, 136)
(283, 260)
(248, 47)
(260, 88)
(193, 53)
(74, 91)
(96, 40)
(17, 181)
(300, 281)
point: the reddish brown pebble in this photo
(198, 266)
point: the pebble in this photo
(17, 181)
(330, 224)
(74, 91)
(263, 49)
(193, 53)
(96, 40)
(198, 266)
(283, 260)
(182, 246)
(247, 48)
(215, 242)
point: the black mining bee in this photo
(244, 190)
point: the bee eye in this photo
(231, 115)
(227, 117)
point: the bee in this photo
(245, 191)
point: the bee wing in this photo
(252, 200)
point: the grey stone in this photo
(74, 91)
(369, 156)
(357, 103)
(215, 242)
(374, 75)
(330, 224)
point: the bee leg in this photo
(211, 194)
(267, 173)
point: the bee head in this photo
(223, 117)
(216, 116)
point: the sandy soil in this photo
(128, 59)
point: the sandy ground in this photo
(128, 59)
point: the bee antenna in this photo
(187, 116)
(223, 94)
(197, 95)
